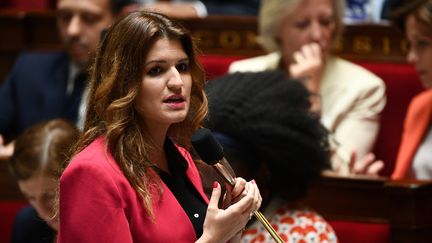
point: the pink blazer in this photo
(416, 125)
(97, 203)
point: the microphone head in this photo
(207, 147)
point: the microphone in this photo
(211, 152)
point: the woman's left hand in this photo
(240, 190)
(368, 165)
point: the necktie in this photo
(73, 100)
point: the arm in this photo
(7, 116)
(357, 129)
(308, 66)
(8, 106)
(90, 206)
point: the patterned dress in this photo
(295, 224)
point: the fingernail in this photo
(215, 184)
(253, 181)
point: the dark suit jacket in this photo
(29, 228)
(35, 90)
(232, 7)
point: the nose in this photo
(316, 32)
(174, 81)
(74, 26)
(412, 57)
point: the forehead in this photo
(414, 26)
(312, 7)
(37, 184)
(94, 6)
(166, 48)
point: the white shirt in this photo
(422, 163)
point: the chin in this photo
(427, 83)
(178, 120)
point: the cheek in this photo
(291, 41)
(288, 48)
(330, 33)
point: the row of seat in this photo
(377, 48)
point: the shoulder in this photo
(94, 163)
(42, 56)
(424, 97)
(37, 60)
(421, 102)
(256, 64)
(93, 175)
(341, 70)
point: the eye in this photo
(182, 67)
(90, 18)
(418, 44)
(155, 71)
(301, 24)
(422, 43)
(64, 16)
(327, 21)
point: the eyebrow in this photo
(164, 61)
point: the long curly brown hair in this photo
(115, 81)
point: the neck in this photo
(157, 154)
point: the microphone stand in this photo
(229, 178)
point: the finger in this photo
(214, 199)
(316, 50)
(1, 140)
(251, 193)
(239, 187)
(375, 168)
(245, 204)
(352, 161)
(361, 167)
(307, 51)
(298, 57)
(257, 196)
(243, 193)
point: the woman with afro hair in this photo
(268, 133)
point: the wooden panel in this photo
(214, 34)
(9, 190)
(404, 205)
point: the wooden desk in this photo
(404, 205)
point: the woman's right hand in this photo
(308, 65)
(220, 225)
(6, 150)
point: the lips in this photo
(421, 72)
(175, 102)
(174, 99)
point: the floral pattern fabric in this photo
(294, 226)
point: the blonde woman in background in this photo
(299, 34)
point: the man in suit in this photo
(47, 85)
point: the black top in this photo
(29, 228)
(182, 188)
